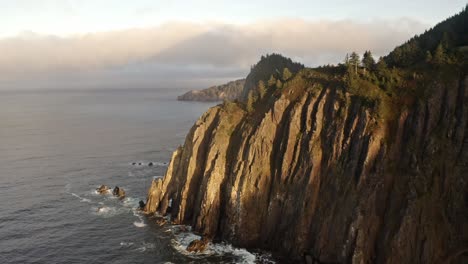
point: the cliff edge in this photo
(336, 164)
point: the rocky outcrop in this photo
(318, 173)
(198, 245)
(119, 192)
(229, 91)
(103, 189)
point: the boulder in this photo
(103, 189)
(161, 221)
(198, 245)
(119, 192)
(150, 164)
(133, 163)
(141, 205)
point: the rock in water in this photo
(150, 164)
(119, 192)
(161, 221)
(141, 205)
(198, 245)
(103, 189)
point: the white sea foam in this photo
(182, 240)
(126, 244)
(243, 255)
(105, 211)
(131, 202)
(139, 224)
(83, 200)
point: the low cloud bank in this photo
(193, 54)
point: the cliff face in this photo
(316, 171)
(229, 91)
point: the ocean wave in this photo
(183, 239)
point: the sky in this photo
(143, 43)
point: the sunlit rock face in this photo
(315, 171)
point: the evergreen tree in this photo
(250, 101)
(286, 74)
(354, 61)
(428, 57)
(368, 61)
(346, 60)
(261, 89)
(439, 55)
(272, 81)
(381, 66)
(279, 84)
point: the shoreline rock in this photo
(198, 245)
(103, 189)
(119, 192)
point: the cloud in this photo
(190, 51)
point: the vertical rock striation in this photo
(318, 172)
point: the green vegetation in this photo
(229, 91)
(446, 38)
(368, 61)
(272, 69)
(287, 74)
(386, 87)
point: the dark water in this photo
(56, 147)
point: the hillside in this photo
(353, 163)
(229, 91)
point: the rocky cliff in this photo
(316, 171)
(229, 91)
(339, 164)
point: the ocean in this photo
(57, 147)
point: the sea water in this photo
(57, 147)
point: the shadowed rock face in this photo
(317, 172)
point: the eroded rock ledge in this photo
(317, 172)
